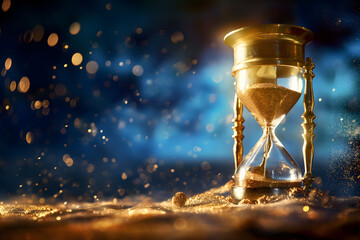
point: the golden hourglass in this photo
(269, 62)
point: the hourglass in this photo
(269, 62)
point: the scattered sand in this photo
(299, 214)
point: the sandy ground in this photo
(210, 215)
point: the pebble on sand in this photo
(179, 200)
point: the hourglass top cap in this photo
(265, 32)
(280, 44)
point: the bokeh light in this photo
(92, 67)
(8, 63)
(53, 39)
(37, 104)
(24, 84)
(38, 33)
(29, 137)
(138, 70)
(28, 36)
(177, 37)
(74, 28)
(12, 86)
(6, 5)
(76, 59)
(68, 160)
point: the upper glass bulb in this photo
(269, 91)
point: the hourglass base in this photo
(240, 193)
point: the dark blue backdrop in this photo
(156, 115)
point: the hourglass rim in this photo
(273, 44)
(294, 33)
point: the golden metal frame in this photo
(279, 44)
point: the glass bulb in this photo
(268, 92)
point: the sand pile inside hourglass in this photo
(255, 179)
(268, 103)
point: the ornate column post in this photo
(308, 124)
(238, 131)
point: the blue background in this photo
(168, 129)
